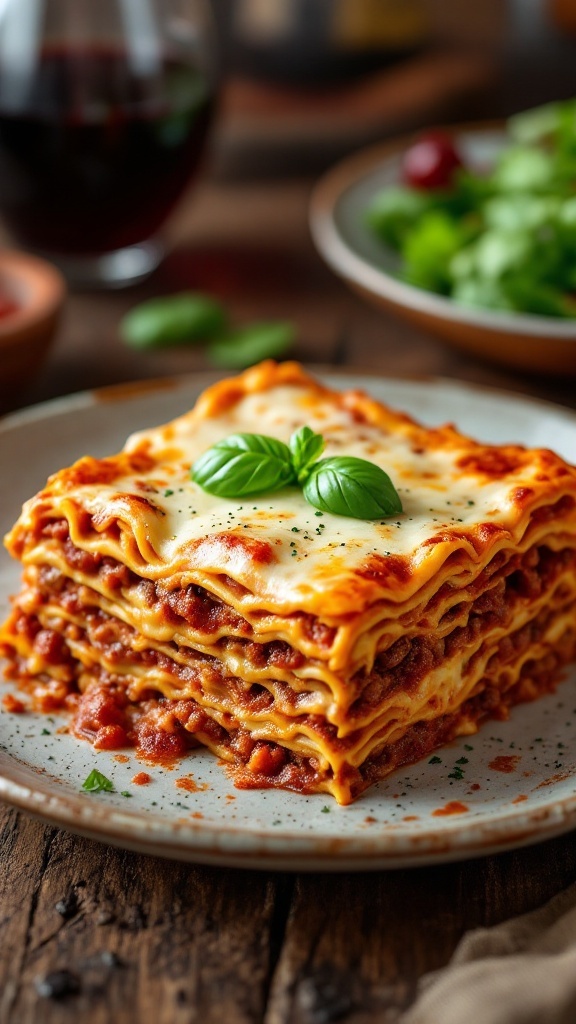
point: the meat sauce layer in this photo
(202, 611)
(402, 666)
(163, 730)
(160, 728)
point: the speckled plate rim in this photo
(281, 850)
(333, 191)
(33, 790)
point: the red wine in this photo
(94, 156)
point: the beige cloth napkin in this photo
(520, 972)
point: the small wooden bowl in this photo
(38, 290)
(522, 341)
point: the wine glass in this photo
(105, 107)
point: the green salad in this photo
(501, 238)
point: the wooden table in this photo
(153, 940)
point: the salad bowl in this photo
(343, 236)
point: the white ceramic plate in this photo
(513, 783)
(338, 224)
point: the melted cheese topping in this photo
(461, 501)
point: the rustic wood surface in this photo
(97, 934)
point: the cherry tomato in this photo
(431, 162)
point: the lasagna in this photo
(308, 651)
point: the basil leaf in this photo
(244, 464)
(305, 447)
(248, 345)
(347, 486)
(175, 320)
(247, 464)
(96, 782)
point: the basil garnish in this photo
(305, 447)
(96, 782)
(244, 465)
(347, 486)
(190, 318)
(182, 319)
(237, 349)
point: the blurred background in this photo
(250, 101)
(317, 77)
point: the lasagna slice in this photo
(309, 651)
